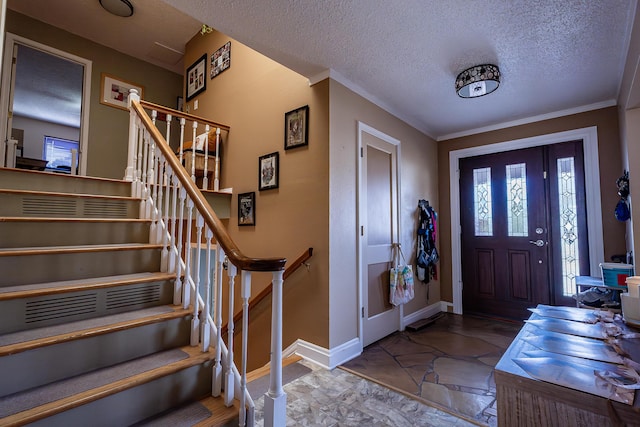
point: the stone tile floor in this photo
(448, 363)
(339, 398)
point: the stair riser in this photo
(138, 403)
(44, 365)
(55, 233)
(26, 269)
(50, 310)
(26, 180)
(63, 206)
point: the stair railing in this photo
(176, 207)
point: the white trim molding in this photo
(589, 137)
(328, 359)
(423, 313)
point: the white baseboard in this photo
(423, 313)
(328, 359)
(444, 306)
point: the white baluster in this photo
(131, 152)
(151, 177)
(153, 207)
(140, 146)
(174, 203)
(275, 400)
(182, 123)
(177, 292)
(168, 137)
(154, 115)
(186, 290)
(205, 179)
(160, 223)
(216, 178)
(204, 313)
(195, 321)
(217, 298)
(193, 152)
(145, 170)
(229, 377)
(164, 263)
(245, 294)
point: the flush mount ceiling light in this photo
(478, 81)
(122, 8)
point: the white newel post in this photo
(130, 171)
(275, 400)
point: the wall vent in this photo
(131, 296)
(43, 206)
(45, 310)
(99, 208)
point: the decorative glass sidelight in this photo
(483, 213)
(517, 217)
(568, 224)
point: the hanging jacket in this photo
(427, 254)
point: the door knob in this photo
(539, 243)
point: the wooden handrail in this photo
(176, 113)
(266, 291)
(236, 257)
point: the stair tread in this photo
(49, 288)
(75, 195)
(40, 250)
(110, 380)
(17, 342)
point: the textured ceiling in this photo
(555, 56)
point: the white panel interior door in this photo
(378, 207)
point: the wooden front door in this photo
(520, 243)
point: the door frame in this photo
(362, 222)
(589, 137)
(10, 41)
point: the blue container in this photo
(615, 274)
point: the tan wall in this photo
(108, 127)
(252, 97)
(610, 169)
(418, 180)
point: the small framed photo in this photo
(114, 91)
(196, 82)
(268, 166)
(247, 208)
(296, 128)
(221, 59)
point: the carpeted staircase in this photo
(88, 332)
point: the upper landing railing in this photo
(191, 236)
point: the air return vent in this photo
(99, 208)
(42, 206)
(45, 310)
(131, 296)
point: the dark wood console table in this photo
(525, 401)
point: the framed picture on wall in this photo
(221, 59)
(268, 166)
(247, 208)
(196, 81)
(114, 91)
(296, 128)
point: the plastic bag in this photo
(401, 281)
